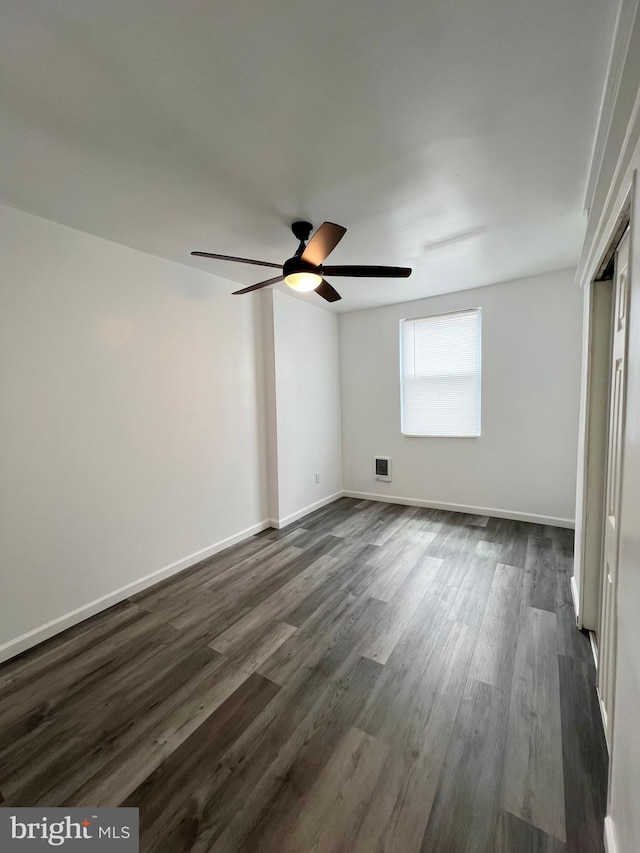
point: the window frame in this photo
(478, 312)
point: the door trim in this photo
(590, 493)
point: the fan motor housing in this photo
(296, 264)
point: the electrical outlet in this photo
(317, 478)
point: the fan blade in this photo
(239, 260)
(259, 285)
(327, 292)
(323, 243)
(369, 272)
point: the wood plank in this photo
(61, 650)
(468, 796)
(263, 776)
(356, 523)
(572, 642)
(276, 605)
(350, 574)
(229, 591)
(395, 560)
(417, 658)
(218, 571)
(55, 776)
(477, 520)
(68, 712)
(472, 575)
(513, 537)
(337, 801)
(164, 793)
(214, 566)
(416, 718)
(319, 802)
(533, 786)
(90, 667)
(541, 575)
(455, 538)
(389, 524)
(495, 650)
(585, 757)
(517, 836)
(380, 641)
(326, 628)
(142, 747)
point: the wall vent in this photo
(382, 468)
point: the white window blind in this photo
(440, 374)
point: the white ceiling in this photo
(452, 136)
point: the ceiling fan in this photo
(304, 271)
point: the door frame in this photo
(591, 530)
(586, 584)
(594, 419)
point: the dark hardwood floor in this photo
(372, 678)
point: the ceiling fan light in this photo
(303, 281)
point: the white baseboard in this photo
(605, 720)
(470, 510)
(594, 648)
(289, 519)
(576, 601)
(67, 620)
(609, 838)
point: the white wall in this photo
(270, 420)
(524, 463)
(131, 419)
(307, 403)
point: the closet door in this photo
(608, 608)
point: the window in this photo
(440, 374)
